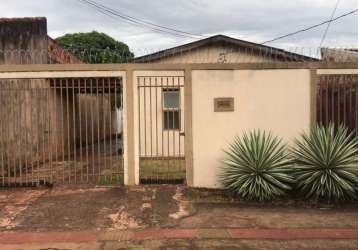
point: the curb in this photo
(178, 233)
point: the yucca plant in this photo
(257, 167)
(326, 163)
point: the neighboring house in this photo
(57, 54)
(339, 55)
(222, 49)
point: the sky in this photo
(251, 20)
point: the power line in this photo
(147, 22)
(139, 22)
(311, 27)
(329, 24)
(102, 11)
(127, 20)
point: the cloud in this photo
(253, 20)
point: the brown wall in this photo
(23, 40)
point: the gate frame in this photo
(82, 74)
(186, 112)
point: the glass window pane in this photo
(171, 99)
(171, 120)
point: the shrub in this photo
(326, 163)
(257, 167)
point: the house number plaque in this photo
(224, 104)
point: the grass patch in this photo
(162, 169)
(105, 180)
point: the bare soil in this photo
(62, 209)
(112, 208)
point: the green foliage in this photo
(257, 167)
(326, 163)
(95, 47)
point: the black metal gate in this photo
(337, 100)
(161, 129)
(63, 130)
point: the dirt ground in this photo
(195, 244)
(108, 208)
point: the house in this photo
(222, 49)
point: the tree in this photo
(95, 47)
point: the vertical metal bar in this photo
(62, 119)
(43, 129)
(74, 129)
(8, 144)
(356, 105)
(333, 108)
(327, 106)
(92, 131)
(320, 100)
(145, 161)
(78, 103)
(180, 122)
(98, 131)
(31, 99)
(139, 126)
(2, 136)
(49, 131)
(13, 116)
(86, 124)
(121, 89)
(344, 86)
(350, 103)
(163, 114)
(55, 127)
(168, 135)
(104, 128)
(145, 118)
(151, 122)
(68, 130)
(339, 102)
(3, 144)
(111, 107)
(38, 133)
(117, 154)
(174, 132)
(20, 131)
(26, 137)
(150, 115)
(156, 116)
(156, 123)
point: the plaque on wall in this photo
(224, 104)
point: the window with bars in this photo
(171, 109)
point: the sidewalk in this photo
(177, 233)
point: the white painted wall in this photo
(274, 100)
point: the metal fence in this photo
(337, 100)
(63, 130)
(161, 129)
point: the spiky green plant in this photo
(326, 163)
(257, 167)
